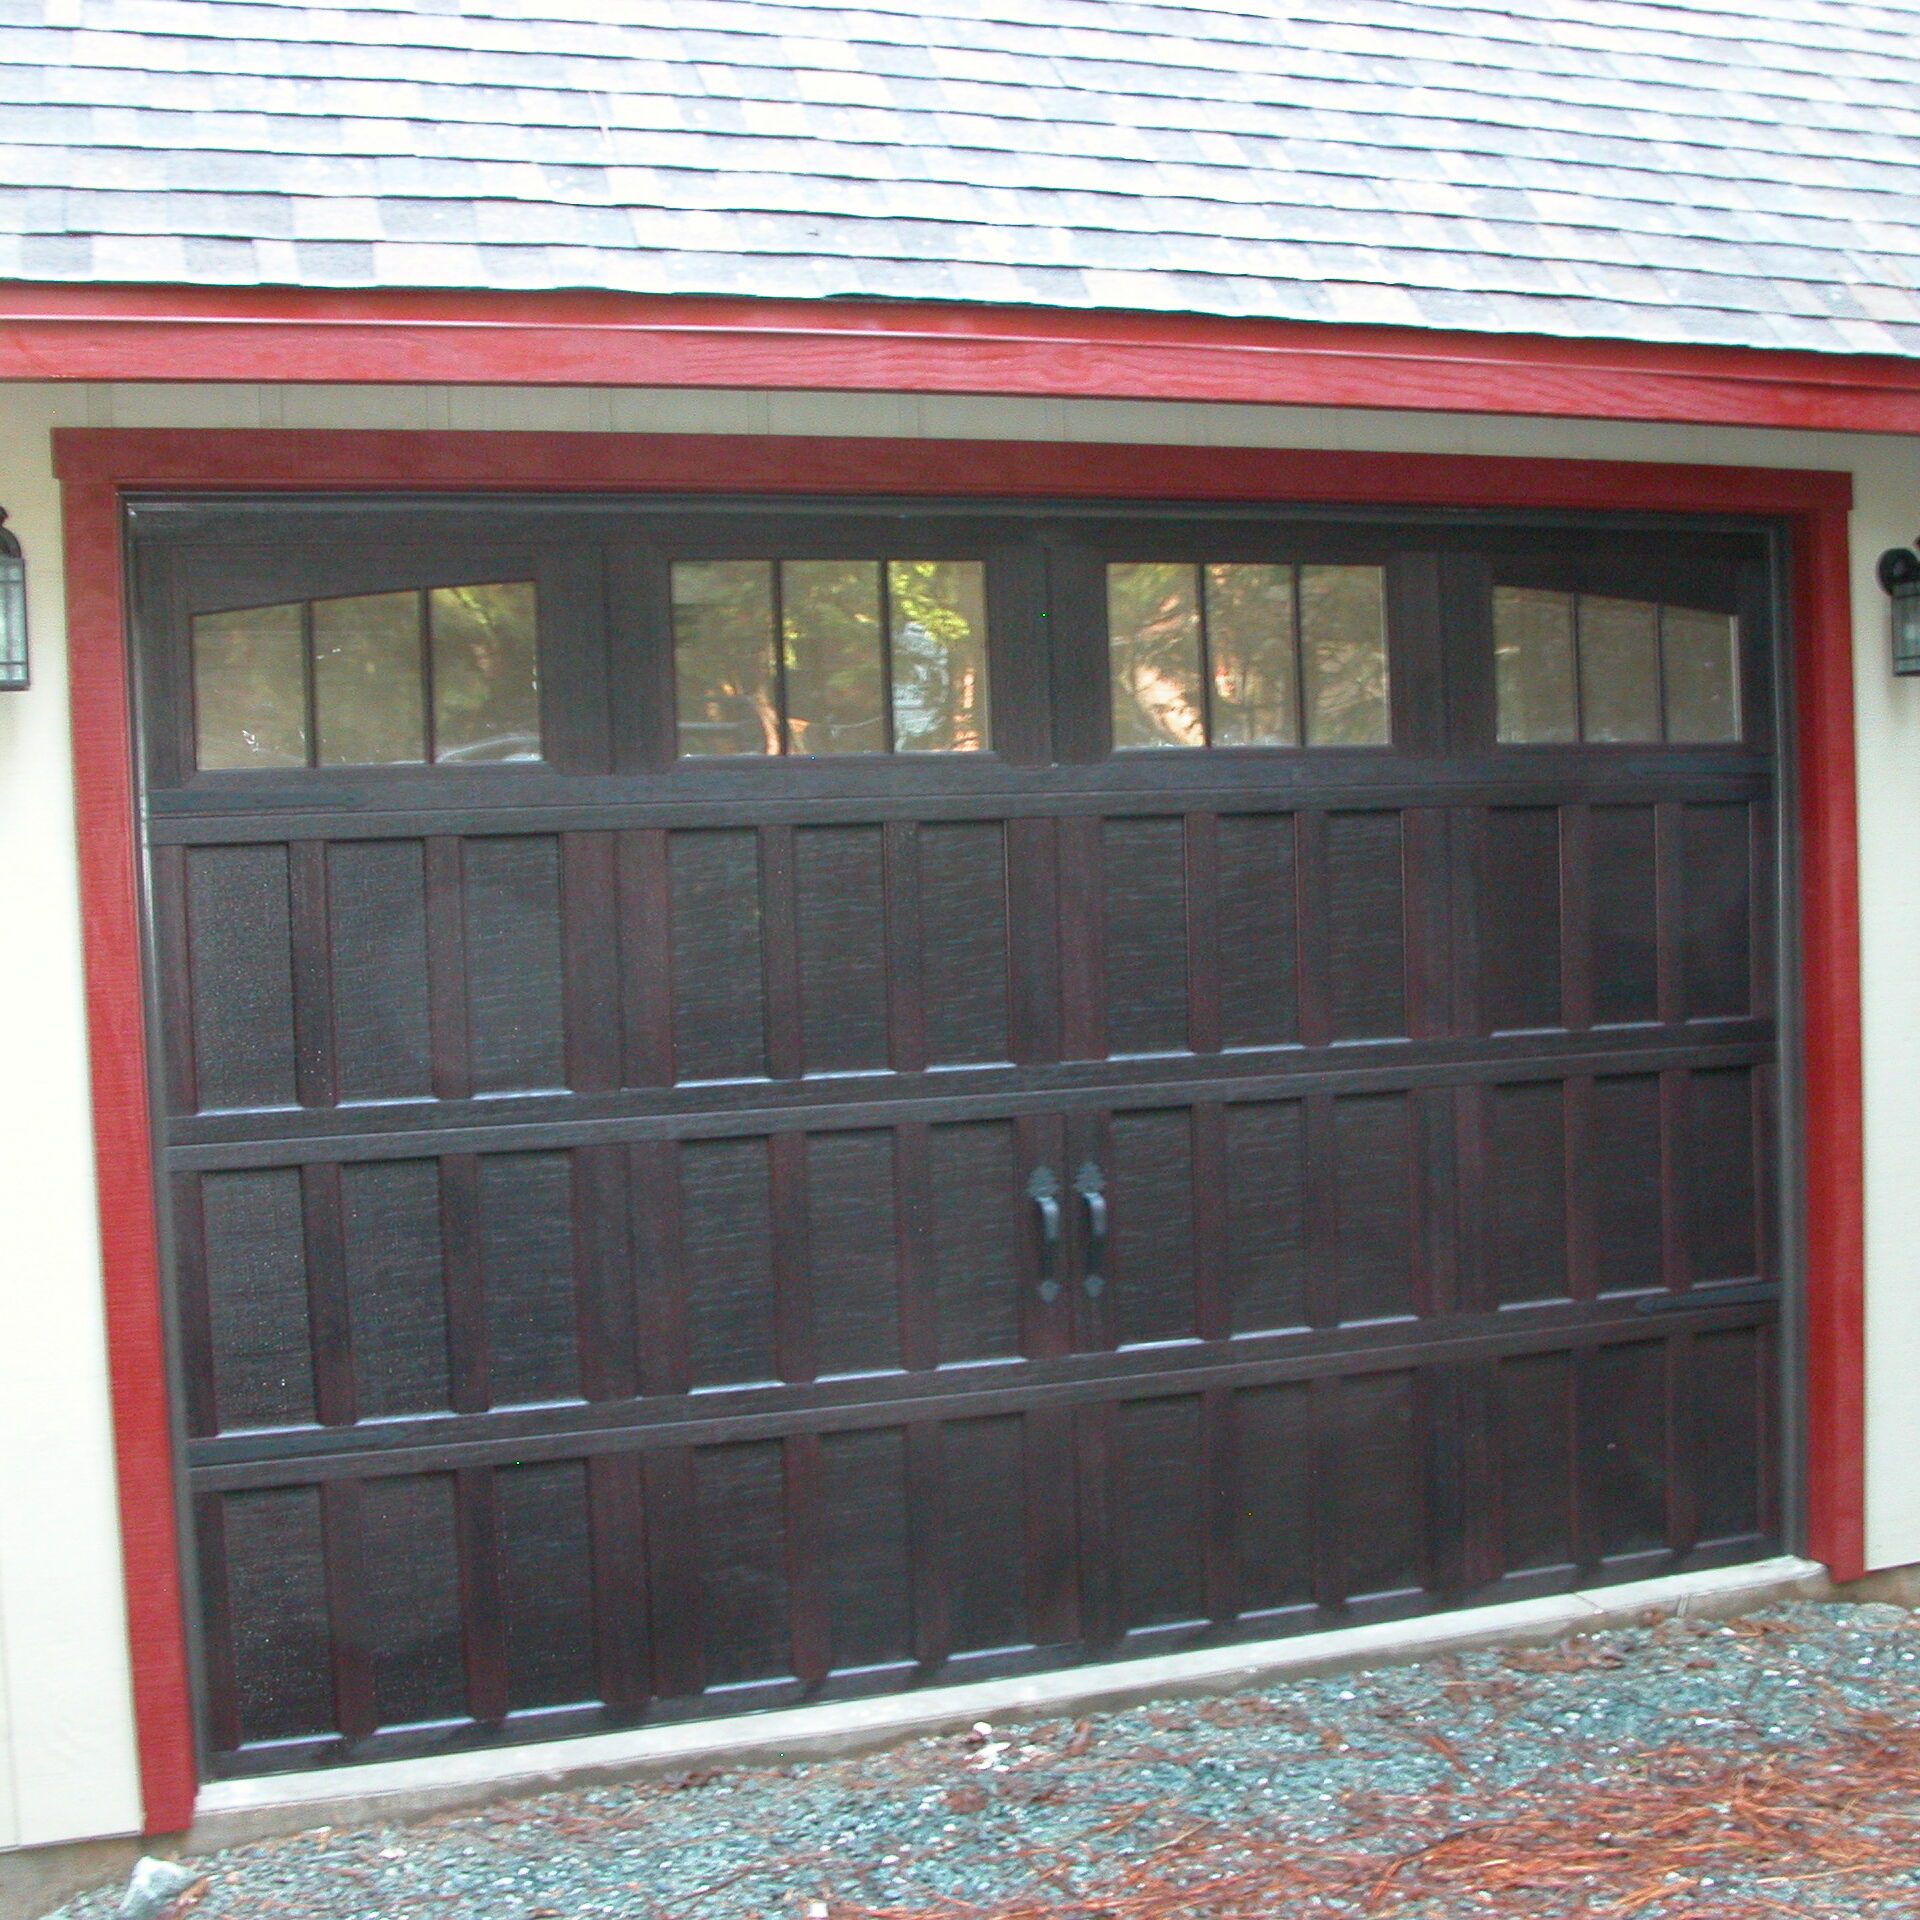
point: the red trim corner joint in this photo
(99, 467)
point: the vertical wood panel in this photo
(447, 970)
(780, 953)
(482, 1617)
(329, 1319)
(645, 894)
(590, 909)
(315, 1063)
(1203, 932)
(905, 951)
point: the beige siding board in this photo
(68, 1723)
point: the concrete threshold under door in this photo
(230, 1812)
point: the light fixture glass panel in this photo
(1343, 647)
(723, 657)
(367, 696)
(939, 655)
(1619, 669)
(1251, 656)
(1702, 657)
(1534, 665)
(486, 673)
(250, 688)
(1153, 625)
(835, 659)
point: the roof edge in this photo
(64, 332)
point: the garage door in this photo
(765, 1101)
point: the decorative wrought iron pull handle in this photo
(1043, 1189)
(1091, 1186)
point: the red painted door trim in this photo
(99, 467)
(66, 332)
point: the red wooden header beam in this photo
(603, 339)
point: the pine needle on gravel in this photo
(1685, 1830)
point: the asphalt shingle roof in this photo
(1741, 172)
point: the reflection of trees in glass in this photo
(1343, 630)
(834, 656)
(249, 688)
(486, 682)
(1250, 656)
(1154, 625)
(723, 655)
(369, 703)
(939, 655)
(369, 679)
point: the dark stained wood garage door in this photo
(764, 1102)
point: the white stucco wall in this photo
(66, 1763)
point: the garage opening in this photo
(767, 1100)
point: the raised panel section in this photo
(1366, 927)
(515, 1027)
(378, 928)
(1533, 1412)
(257, 1298)
(411, 1601)
(395, 1286)
(1259, 939)
(863, 1534)
(1527, 1192)
(974, 1240)
(851, 1242)
(1730, 1396)
(239, 933)
(964, 942)
(1624, 1162)
(1144, 883)
(1521, 912)
(1273, 1465)
(742, 1559)
(727, 1225)
(1721, 1217)
(276, 1599)
(1158, 1483)
(1623, 901)
(526, 1215)
(1373, 1255)
(1267, 1214)
(984, 1534)
(1718, 893)
(546, 1587)
(1151, 1194)
(719, 1023)
(1624, 1423)
(839, 885)
(1382, 1505)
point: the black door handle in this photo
(1091, 1186)
(1043, 1189)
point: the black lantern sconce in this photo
(1899, 572)
(13, 611)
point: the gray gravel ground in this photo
(1345, 1760)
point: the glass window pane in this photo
(250, 688)
(836, 663)
(368, 710)
(1702, 674)
(1250, 654)
(1619, 671)
(939, 613)
(1533, 661)
(1153, 625)
(1343, 646)
(723, 656)
(486, 681)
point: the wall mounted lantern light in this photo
(1899, 572)
(13, 611)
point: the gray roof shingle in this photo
(1739, 171)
